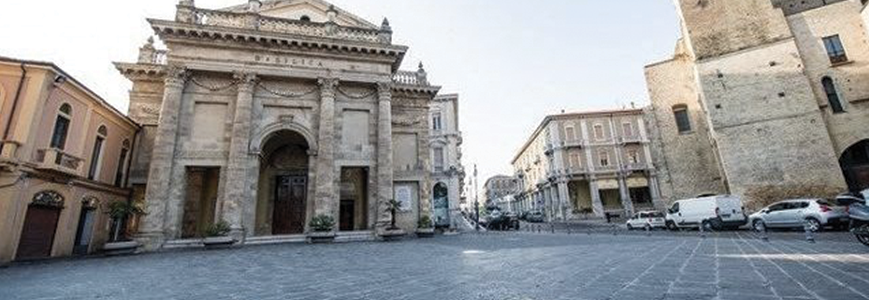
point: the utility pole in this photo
(476, 201)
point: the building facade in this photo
(763, 99)
(587, 165)
(267, 114)
(448, 174)
(497, 189)
(64, 159)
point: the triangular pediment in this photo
(315, 10)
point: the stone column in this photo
(151, 230)
(384, 153)
(237, 194)
(547, 203)
(325, 198)
(596, 203)
(566, 203)
(625, 194)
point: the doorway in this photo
(353, 210)
(441, 205)
(200, 201)
(855, 166)
(289, 208)
(40, 225)
(84, 232)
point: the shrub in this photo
(221, 228)
(322, 223)
(425, 222)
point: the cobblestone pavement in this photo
(513, 265)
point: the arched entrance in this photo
(40, 225)
(441, 205)
(855, 166)
(283, 184)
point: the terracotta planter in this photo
(121, 248)
(321, 237)
(425, 233)
(218, 242)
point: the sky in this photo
(512, 61)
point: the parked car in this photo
(816, 213)
(503, 221)
(711, 212)
(647, 220)
(535, 216)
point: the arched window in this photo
(683, 121)
(97, 154)
(832, 95)
(122, 164)
(305, 18)
(61, 127)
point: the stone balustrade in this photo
(279, 25)
(57, 160)
(409, 78)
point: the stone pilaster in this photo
(152, 230)
(625, 194)
(236, 196)
(325, 197)
(384, 153)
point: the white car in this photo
(816, 213)
(711, 212)
(647, 220)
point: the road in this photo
(494, 265)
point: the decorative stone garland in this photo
(356, 97)
(213, 88)
(288, 94)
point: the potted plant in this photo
(217, 235)
(424, 228)
(120, 213)
(392, 232)
(322, 229)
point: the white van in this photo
(713, 212)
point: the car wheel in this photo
(758, 225)
(707, 226)
(814, 225)
(630, 227)
(672, 226)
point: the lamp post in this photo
(476, 200)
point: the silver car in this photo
(816, 213)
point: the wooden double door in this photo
(37, 236)
(290, 205)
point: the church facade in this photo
(267, 114)
(765, 99)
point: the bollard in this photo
(810, 235)
(568, 229)
(648, 230)
(552, 227)
(703, 230)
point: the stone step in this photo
(355, 236)
(276, 239)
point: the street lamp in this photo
(476, 200)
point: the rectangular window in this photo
(604, 159)
(633, 157)
(122, 164)
(835, 50)
(61, 127)
(598, 131)
(439, 159)
(628, 129)
(574, 160)
(683, 123)
(95, 158)
(436, 122)
(570, 133)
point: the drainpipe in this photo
(14, 105)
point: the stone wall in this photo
(791, 7)
(717, 27)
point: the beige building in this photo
(587, 165)
(448, 174)
(269, 113)
(64, 158)
(763, 99)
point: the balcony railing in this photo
(57, 160)
(636, 166)
(572, 143)
(634, 139)
(410, 78)
(288, 26)
(577, 170)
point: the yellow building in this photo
(64, 156)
